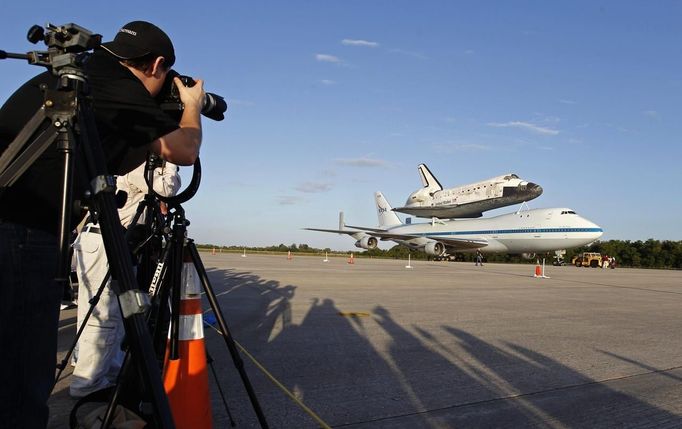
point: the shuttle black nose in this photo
(534, 189)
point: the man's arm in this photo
(182, 145)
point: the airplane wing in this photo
(364, 228)
(337, 231)
(453, 243)
(461, 243)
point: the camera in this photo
(67, 48)
(214, 105)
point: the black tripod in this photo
(66, 119)
(166, 286)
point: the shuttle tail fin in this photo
(342, 224)
(387, 216)
(428, 179)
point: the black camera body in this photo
(214, 105)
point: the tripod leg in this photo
(176, 262)
(227, 336)
(220, 389)
(133, 302)
(93, 302)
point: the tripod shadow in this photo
(369, 370)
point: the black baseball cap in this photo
(139, 38)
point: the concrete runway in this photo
(442, 345)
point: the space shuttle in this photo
(467, 201)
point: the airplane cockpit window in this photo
(511, 176)
(568, 212)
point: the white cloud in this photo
(650, 114)
(363, 162)
(565, 101)
(289, 200)
(314, 187)
(358, 42)
(469, 52)
(327, 82)
(525, 126)
(327, 58)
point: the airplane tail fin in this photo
(387, 216)
(428, 179)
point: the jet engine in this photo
(367, 242)
(434, 248)
(528, 255)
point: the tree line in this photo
(637, 254)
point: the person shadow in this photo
(549, 393)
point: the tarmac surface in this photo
(440, 345)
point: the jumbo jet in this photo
(467, 201)
(522, 232)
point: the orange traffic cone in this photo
(350, 259)
(186, 379)
(538, 270)
(289, 257)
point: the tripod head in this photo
(65, 47)
(154, 161)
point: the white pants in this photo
(99, 355)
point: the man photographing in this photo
(124, 76)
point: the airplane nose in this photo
(598, 233)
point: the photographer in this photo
(124, 77)
(99, 348)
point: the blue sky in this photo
(331, 101)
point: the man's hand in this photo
(191, 96)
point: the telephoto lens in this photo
(214, 105)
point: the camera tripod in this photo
(167, 285)
(166, 281)
(66, 119)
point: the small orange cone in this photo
(186, 379)
(351, 260)
(538, 270)
(289, 257)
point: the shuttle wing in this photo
(459, 211)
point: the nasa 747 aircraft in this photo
(523, 232)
